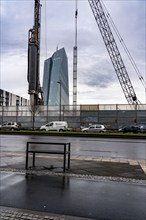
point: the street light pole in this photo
(59, 82)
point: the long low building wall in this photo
(10, 99)
(112, 116)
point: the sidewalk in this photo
(120, 170)
(80, 165)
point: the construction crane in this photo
(113, 51)
(75, 53)
(34, 88)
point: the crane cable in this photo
(124, 46)
(46, 29)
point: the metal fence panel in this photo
(82, 115)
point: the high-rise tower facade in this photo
(55, 79)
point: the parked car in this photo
(130, 128)
(10, 126)
(143, 128)
(55, 126)
(94, 128)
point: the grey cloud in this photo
(14, 26)
(99, 80)
(100, 73)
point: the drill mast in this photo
(34, 88)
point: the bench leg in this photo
(26, 162)
(33, 161)
(69, 156)
(64, 162)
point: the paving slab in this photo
(86, 166)
(7, 213)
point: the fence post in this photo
(16, 113)
(2, 114)
(63, 112)
(135, 113)
(117, 122)
(47, 115)
(98, 113)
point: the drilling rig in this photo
(34, 88)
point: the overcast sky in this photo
(97, 80)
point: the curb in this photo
(23, 214)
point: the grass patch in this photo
(75, 133)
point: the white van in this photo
(55, 126)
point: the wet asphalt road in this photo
(74, 196)
(106, 147)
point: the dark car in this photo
(130, 128)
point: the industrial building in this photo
(55, 79)
(10, 99)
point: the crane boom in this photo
(113, 51)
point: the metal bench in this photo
(51, 148)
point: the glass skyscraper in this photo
(55, 78)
